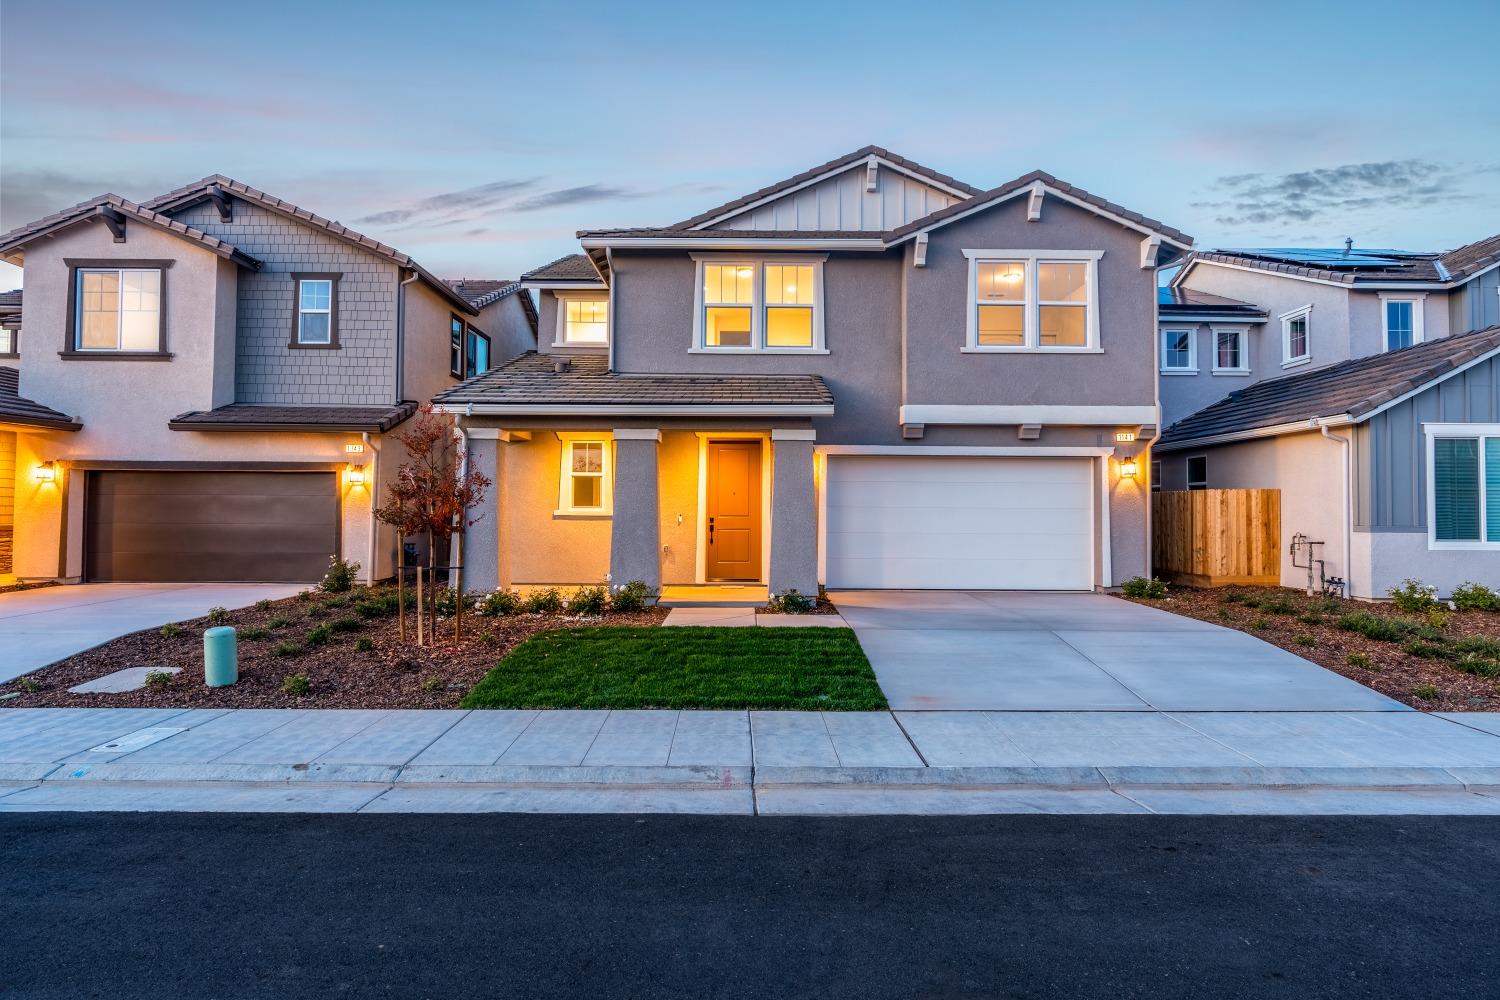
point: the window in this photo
(1464, 489)
(1033, 300)
(315, 314)
(1401, 321)
(1296, 342)
(1179, 355)
(1197, 473)
(582, 321)
(1156, 476)
(10, 342)
(585, 486)
(771, 305)
(118, 309)
(1229, 351)
(478, 361)
(455, 347)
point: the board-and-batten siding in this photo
(841, 203)
(1391, 450)
(1475, 305)
(7, 497)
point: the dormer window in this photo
(582, 321)
(763, 305)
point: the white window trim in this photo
(77, 338)
(1433, 432)
(1417, 308)
(1031, 323)
(560, 334)
(1286, 318)
(1187, 466)
(1243, 333)
(758, 302)
(1192, 365)
(565, 506)
(302, 311)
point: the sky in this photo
(478, 137)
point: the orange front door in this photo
(733, 491)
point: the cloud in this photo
(28, 195)
(574, 196)
(1329, 193)
(452, 206)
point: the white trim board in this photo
(945, 413)
(566, 409)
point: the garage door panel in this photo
(210, 526)
(959, 523)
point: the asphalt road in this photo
(164, 905)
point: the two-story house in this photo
(868, 375)
(205, 386)
(1265, 353)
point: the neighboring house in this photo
(1232, 317)
(217, 376)
(1389, 464)
(867, 375)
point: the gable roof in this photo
(1351, 390)
(1472, 258)
(485, 292)
(533, 384)
(1356, 267)
(831, 167)
(17, 409)
(198, 191)
(572, 268)
(101, 207)
(1177, 303)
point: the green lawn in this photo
(612, 667)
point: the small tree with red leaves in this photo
(430, 496)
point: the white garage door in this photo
(959, 523)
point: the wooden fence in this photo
(1210, 538)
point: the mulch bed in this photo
(13, 588)
(1392, 672)
(823, 607)
(392, 674)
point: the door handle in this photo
(710, 531)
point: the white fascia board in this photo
(747, 242)
(1272, 430)
(543, 285)
(1167, 319)
(574, 409)
(943, 413)
(985, 451)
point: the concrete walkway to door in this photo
(38, 627)
(1015, 651)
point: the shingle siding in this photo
(362, 370)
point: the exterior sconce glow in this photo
(1127, 468)
(356, 475)
(46, 472)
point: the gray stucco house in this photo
(206, 386)
(867, 375)
(1360, 383)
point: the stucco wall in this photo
(1328, 324)
(506, 324)
(1184, 394)
(1367, 323)
(545, 547)
(426, 333)
(1383, 559)
(548, 306)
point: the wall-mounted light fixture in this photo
(46, 472)
(1127, 468)
(356, 475)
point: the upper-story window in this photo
(1296, 336)
(1179, 353)
(1401, 321)
(455, 347)
(1463, 491)
(1230, 352)
(1033, 300)
(315, 317)
(119, 309)
(582, 321)
(769, 305)
(478, 359)
(10, 342)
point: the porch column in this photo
(635, 530)
(794, 513)
(481, 553)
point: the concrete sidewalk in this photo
(747, 762)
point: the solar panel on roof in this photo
(1333, 258)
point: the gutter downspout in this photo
(610, 264)
(401, 337)
(372, 442)
(1348, 511)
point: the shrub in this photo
(1480, 644)
(1414, 597)
(499, 603)
(158, 678)
(1359, 660)
(340, 576)
(1311, 618)
(1327, 605)
(1139, 586)
(364, 644)
(488, 638)
(264, 604)
(1306, 640)
(588, 601)
(1426, 650)
(304, 595)
(1224, 615)
(377, 607)
(348, 623)
(791, 602)
(318, 635)
(217, 616)
(170, 629)
(286, 649)
(1388, 628)
(1237, 597)
(445, 601)
(544, 602)
(1478, 663)
(1261, 623)
(1278, 606)
(29, 684)
(317, 611)
(278, 622)
(1438, 619)
(253, 634)
(1472, 596)
(337, 602)
(433, 684)
(296, 684)
(1427, 692)
(633, 596)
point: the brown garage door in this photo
(210, 526)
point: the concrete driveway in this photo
(38, 627)
(997, 651)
